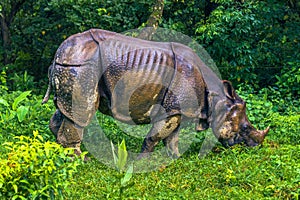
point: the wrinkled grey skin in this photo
(142, 82)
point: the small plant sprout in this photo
(120, 160)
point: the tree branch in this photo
(6, 18)
(15, 7)
(156, 15)
(153, 20)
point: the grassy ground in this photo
(271, 171)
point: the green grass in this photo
(271, 171)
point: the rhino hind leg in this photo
(70, 135)
(67, 133)
(55, 122)
(163, 130)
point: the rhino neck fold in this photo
(216, 111)
(174, 72)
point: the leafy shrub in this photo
(22, 82)
(18, 111)
(288, 83)
(275, 108)
(286, 128)
(34, 169)
(182, 15)
(246, 38)
(21, 113)
(3, 78)
(120, 160)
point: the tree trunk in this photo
(5, 38)
(156, 15)
(6, 18)
(209, 7)
(153, 20)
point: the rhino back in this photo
(135, 78)
(139, 79)
(139, 74)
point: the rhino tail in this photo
(49, 89)
(47, 95)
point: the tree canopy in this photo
(250, 41)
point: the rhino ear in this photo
(229, 91)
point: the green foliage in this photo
(183, 15)
(3, 78)
(19, 99)
(248, 39)
(286, 128)
(270, 172)
(120, 160)
(288, 83)
(21, 113)
(35, 169)
(108, 15)
(15, 110)
(22, 82)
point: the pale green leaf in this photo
(127, 176)
(4, 102)
(113, 152)
(21, 112)
(15, 188)
(122, 155)
(19, 99)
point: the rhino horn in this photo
(264, 132)
(259, 136)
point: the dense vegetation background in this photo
(255, 44)
(245, 38)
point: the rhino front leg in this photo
(171, 143)
(161, 130)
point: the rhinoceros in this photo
(142, 82)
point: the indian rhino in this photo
(141, 82)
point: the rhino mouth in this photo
(250, 139)
(236, 139)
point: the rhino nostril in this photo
(245, 127)
(231, 142)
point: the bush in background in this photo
(277, 106)
(250, 41)
(21, 113)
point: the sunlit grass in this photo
(271, 171)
